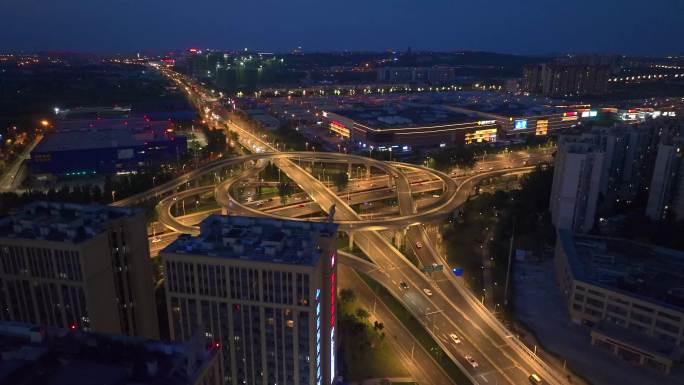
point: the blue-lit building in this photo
(106, 146)
(264, 290)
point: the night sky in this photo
(652, 27)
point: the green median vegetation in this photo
(365, 352)
(417, 330)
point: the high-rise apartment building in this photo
(666, 194)
(77, 266)
(576, 183)
(437, 75)
(261, 289)
(628, 159)
(562, 80)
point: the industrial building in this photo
(261, 289)
(630, 294)
(403, 127)
(106, 146)
(77, 266)
(32, 354)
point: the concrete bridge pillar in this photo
(368, 171)
(390, 181)
(398, 239)
(351, 240)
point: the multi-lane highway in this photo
(440, 301)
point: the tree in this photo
(347, 296)
(341, 180)
(362, 314)
(284, 190)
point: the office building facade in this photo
(576, 185)
(77, 266)
(261, 289)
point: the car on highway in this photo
(455, 338)
(403, 285)
(427, 292)
(535, 379)
(419, 245)
(156, 240)
(301, 205)
(471, 360)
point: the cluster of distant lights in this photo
(669, 67)
(80, 173)
(645, 77)
(368, 90)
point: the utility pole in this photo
(508, 269)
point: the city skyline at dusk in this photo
(531, 28)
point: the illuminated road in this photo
(450, 308)
(12, 176)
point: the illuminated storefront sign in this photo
(339, 128)
(520, 124)
(542, 127)
(479, 136)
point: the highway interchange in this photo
(446, 307)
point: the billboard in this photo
(520, 124)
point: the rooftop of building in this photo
(62, 222)
(647, 272)
(507, 104)
(93, 112)
(32, 355)
(70, 135)
(400, 115)
(257, 239)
